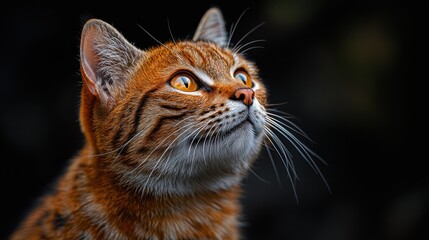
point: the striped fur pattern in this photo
(159, 162)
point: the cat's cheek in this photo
(260, 94)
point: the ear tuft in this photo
(107, 59)
(212, 28)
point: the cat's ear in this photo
(212, 28)
(106, 59)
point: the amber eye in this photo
(184, 82)
(244, 77)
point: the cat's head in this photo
(180, 117)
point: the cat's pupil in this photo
(185, 80)
(242, 77)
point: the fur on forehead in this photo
(205, 56)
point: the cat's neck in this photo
(202, 214)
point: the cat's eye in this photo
(244, 77)
(184, 82)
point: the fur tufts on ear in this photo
(107, 60)
(212, 28)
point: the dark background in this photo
(342, 67)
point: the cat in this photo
(170, 133)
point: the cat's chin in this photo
(210, 165)
(240, 142)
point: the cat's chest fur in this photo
(85, 208)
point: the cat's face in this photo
(181, 117)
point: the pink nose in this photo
(244, 94)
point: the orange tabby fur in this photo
(99, 196)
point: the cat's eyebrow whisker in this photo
(169, 30)
(177, 54)
(251, 48)
(230, 34)
(247, 34)
(237, 50)
(235, 26)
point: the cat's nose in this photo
(245, 95)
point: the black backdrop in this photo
(340, 66)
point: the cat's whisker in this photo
(120, 149)
(168, 157)
(247, 34)
(272, 113)
(196, 133)
(216, 143)
(169, 30)
(272, 162)
(215, 139)
(129, 141)
(159, 160)
(266, 145)
(235, 26)
(290, 168)
(285, 155)
(292, 181)
(198, 126)
(199, 139)
(284, 114)
(288, 135)
(230, 34)
(276, 104)
(208, 135)
(285, 152)
(189, 126)
(237, 50)
(277, 140)
(257, 176)
(251, 48)
(141, 132)
(184, 139)
(303, 150)
(165, 139)
(273, 118)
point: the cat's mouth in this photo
(217, 136)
